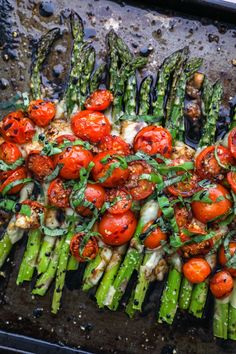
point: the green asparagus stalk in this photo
(45, 253)
(185, 294)
(133, 256)
(73, 264)
(208, 135)
(114, 61)
(130, 95)
(123, 50)
(220, 319)
(45, 279)
(129, 308)
(169, 299)
(144, 96)
(28, 263)
(206, 97)
(198, 299)
(87, 70)
(44, 47)
(232, 314)
(96, 78)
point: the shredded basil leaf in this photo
(7, 167)
(14, 184)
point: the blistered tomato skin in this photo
(221, 284)
(90, 250)
(99, 100)
(222, 257)
(58, 194)
(41, 166)
(42, 112)
(139, 188)
(90, 125)
(94, 194)
(18, 174)
(116, 143)
(196, 270)
(9, 153)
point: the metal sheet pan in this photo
(80, 323)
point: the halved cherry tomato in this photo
(153, 140)
(232, 142)
(72, 160)
(206, 212)
(32, 221)
(196, 270)
(223, 259)
(117, 177)
(95, 194)
(41, 166)
(99, 100)
(186, 188)
(117, 229)
(207, 165)
(90, 250)
(154, 238)
(41, 112)
(90, 125)
(139, 188)
(123, 203)
(9, 153)
(16, 128)
(182, 215)
(231, 178)
(116, 143)
(221, 284)
(18, 174)
(58, 195)
(61, 139)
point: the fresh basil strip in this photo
(53, 148)
(226, 167)
(14, 184)
(205, 183)
(10, 205)
(54, 174)
(7, 167)
(202, 196)
(50, 232)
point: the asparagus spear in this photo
(130, 95)
(44, 47)
(122, 49)
(114, 60)
(144, 95)
(220, 319)
(208, 135)
(89, 61)
(73, 264)
(232, 314)
(96, 78)
(185, 294)
(45, 253)
(206, 97)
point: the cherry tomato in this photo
(16, 128)
(116, 143)
(41, 166)
(90, 125)
(99, 100)
(207, 165)
(90, 250)
(221, 284)
(196, 270)
(206, 212)
(232, 142)
(186, 188)
(139, 188)
(117, 229)
(154, 238)
(153, 140)
(123, 203)
(58, 195)
(223, 259)
(231, 178)
(182, 215)
(94, 194)
(117, 177)
(72, 160)
(9, 153)
(32, 221)
(18, 174)
(41, 112)
(61, 139)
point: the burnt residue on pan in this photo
(80, 323)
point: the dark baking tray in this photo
(80, 324)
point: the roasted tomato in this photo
(9, 153)
(232, 142)
(90, 250)
(94, 194)
(207, 165)
(41, 112)
(139, 188)
(221, 284)
(116, 177)
(182, 215)
(117, 229)
(72, 160)
(90, 125)
(219, 207)
(231, 178)
(32, 221)
(99, 100)
(41, 166)
(121, 200)
(154, 140)
(16, 175)
(58, 195)
(186, 188)
(196, 270)
(154, 239)
(61, 139)
(223, 259)
(116, 143)
(16, 128)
